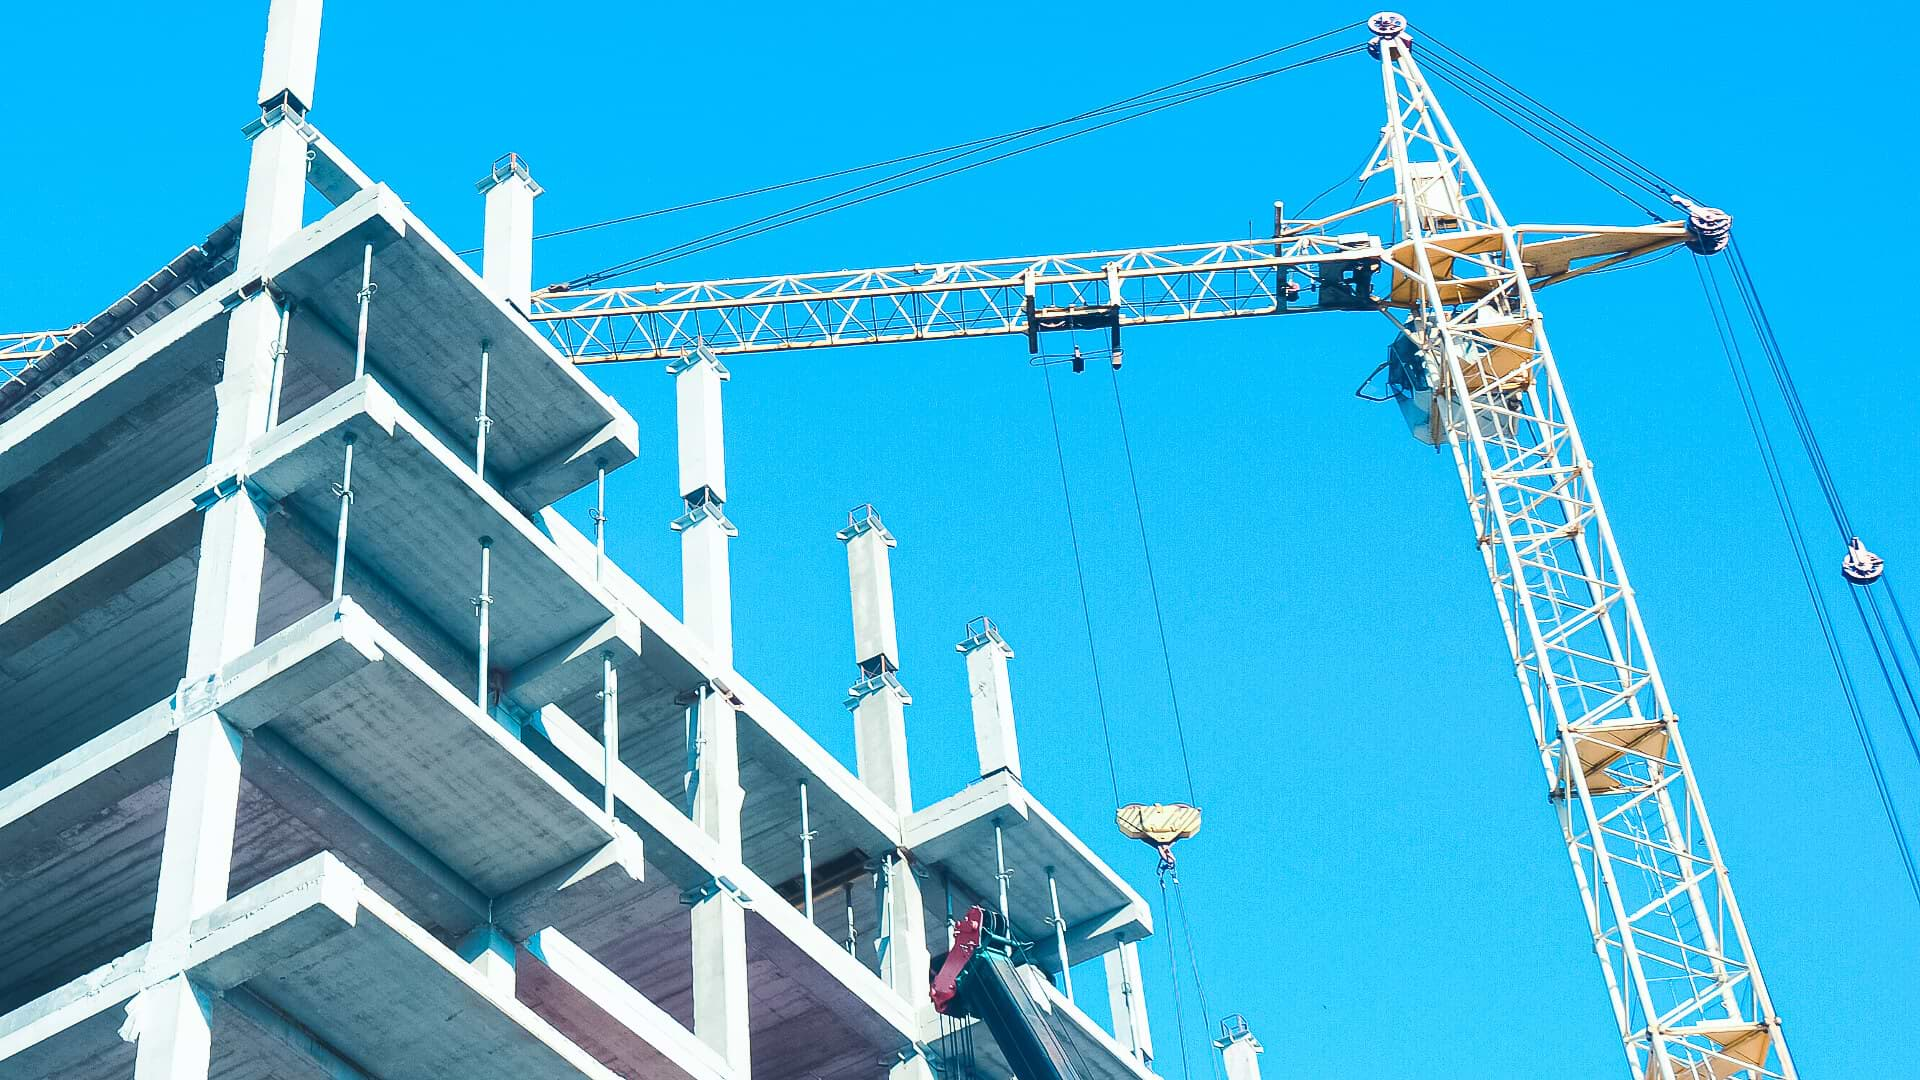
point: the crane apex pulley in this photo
(1159, 826)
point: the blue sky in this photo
(1380, 886)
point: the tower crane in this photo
(1474, 371)
(1472, 368)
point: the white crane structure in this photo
(1473, 364)
(1685, 989)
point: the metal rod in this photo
(481, 604)
(1003, 874)
(345, 492)
(806, 854)
(853, 934)
(482, 421)
(366, 295)
(946, 889)
(279, 369)
(609, 724)
(1060, 936)
(600, 525)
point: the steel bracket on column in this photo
(229, 486)
(873, 684)
(284, 109)
(703, 509)
(714, 887)
(195, 698)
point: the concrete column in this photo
(987, 654)
(879, 706)
(171, 1026)
(492, 954)
(506, 249)
(706, 581)
(878, 700)
(721, 1016)
(1239, 1050)
(1127, 1001)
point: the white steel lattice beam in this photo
(1678, 966)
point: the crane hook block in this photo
(1862, 567)
(1158, 826)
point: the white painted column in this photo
(492, 954)
(1239, 1050)
(506, 248)
(878, 700)
(706, 580)
(170, 1020)
(879, 706)
(994, 737)
(1127, 1001)
(720, 1001)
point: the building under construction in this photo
(382, 769)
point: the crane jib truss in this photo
(1679, 971)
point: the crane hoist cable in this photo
(1080, 575)
(1153, 588)
(1132, 108)
(1790, 519)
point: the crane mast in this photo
(1685, 987)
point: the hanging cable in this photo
(1141, 105)
(969, 144)
(1193, 964)
(1173, 976)
(1789, 516)
(1153, 586)
(1080, 575)
(1547, 116)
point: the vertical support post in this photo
(994, 737)
(946, 893)
(506, 248)
(1127, 1001)
(482, 605)
(1060, 936)
(1001, 873)
(365, 296)
(853, 932)
(277, 383)
(1239, 1050)
(720, 1000)
(173, 1025)
(706, 578)
(806, 854)
(481, 421)
(344, 492)
(599, 516)
(609, 725)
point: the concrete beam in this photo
(574, 892)
(671, 1044)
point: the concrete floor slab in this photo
(357, 703)
(426, 323)
(957, 836)
(352, 978)
(417, 507)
